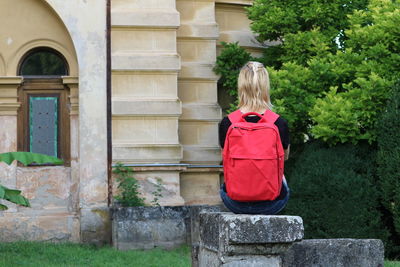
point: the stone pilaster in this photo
(146, 107)
(198, 126)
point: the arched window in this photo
(44, 116)
(43, 61)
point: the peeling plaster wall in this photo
(68, 203)
(86, 23)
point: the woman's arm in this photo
(287, 151)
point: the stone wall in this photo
(65, 200)
(151, 227)
(146, 107)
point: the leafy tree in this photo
(368, 67)
(305, 28)
(25, 158)
(334, 68)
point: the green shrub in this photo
(333, 190)
(388, 159)
(228, 65)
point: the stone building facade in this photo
(164, 107)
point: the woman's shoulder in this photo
(281, 121)
(225, 119)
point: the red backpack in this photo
(253, 158)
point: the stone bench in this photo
(228, 239)
(239, 240)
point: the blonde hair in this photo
(253, 87)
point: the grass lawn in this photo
(392, 263)
(46, 254)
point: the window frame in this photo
(39, 87)
(42, 49)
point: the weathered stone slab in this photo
(228, 239)
(149, 227)
(195, 228)
(335, 253)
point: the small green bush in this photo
(333, 190)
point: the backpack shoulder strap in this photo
(235, 116)
(270, 116)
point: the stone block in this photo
(147, 153)
(145, 17)
(129, 4)
(335, 252)
(201, 112)
(198, 71)
(144, 85)
(202, 154)
(200, 188)
(198, 10)
(194, 212)
(228, 239)
(146, 107)
(231, 18)
(197, 50)
(199, 31)
(198, 133)
(145, 61)
(144, 40)
(198, 91)
(145, 130)
(150, 227)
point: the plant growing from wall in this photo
(157, 193)
(25, 158)
(129, 189)
(128, 185)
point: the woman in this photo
(253, 91)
